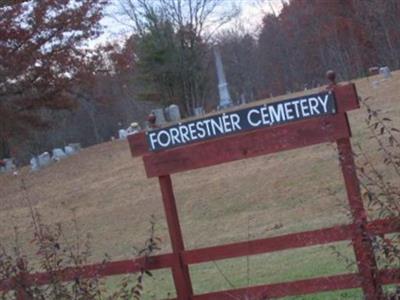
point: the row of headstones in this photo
(163, 115)
(168, 114)
(384, 72)
(132, 129)
(45, 158)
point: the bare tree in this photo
(204, 17)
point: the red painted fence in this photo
(244, 145)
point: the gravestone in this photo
(40, 161)
(198, 111)
(224, 97)
(160, 118)
(35, 163)
(69, 150)
(385, 72)
(243, 99)
(58, 154)
(44, 159)
(7, 165)
(174, 114)
(77, 147)
(122, 134)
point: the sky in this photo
(252, 12)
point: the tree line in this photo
(292, 50)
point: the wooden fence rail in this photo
(254, 247)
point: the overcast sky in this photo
(252, 12)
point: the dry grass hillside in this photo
(111, 198)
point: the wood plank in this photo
(300, 287)
(289, 241)
(272, 244)
(249, 144)
(333, 234)
(362, 244)
(180, 271)
(345, 95)
(138, 144)
(390, 276)
(384, 226)
(99, 270)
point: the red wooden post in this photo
(20, 281)
(361, 242)
(180, 270)
(20, 294)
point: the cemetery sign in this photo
(268, 114)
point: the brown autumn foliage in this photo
(296, 46)
(41, 57)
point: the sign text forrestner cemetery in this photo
(264, 115)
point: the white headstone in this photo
(160, 118)
(69, 150)
(77, 147)
(44, 159)
(122, 134)
(385, 72)
(58, 154)
(35, 163)
(198, 111)
(174, 113)
(243, 98)
(9, 164)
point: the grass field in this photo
(109, 195)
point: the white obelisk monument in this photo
(224, 97)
